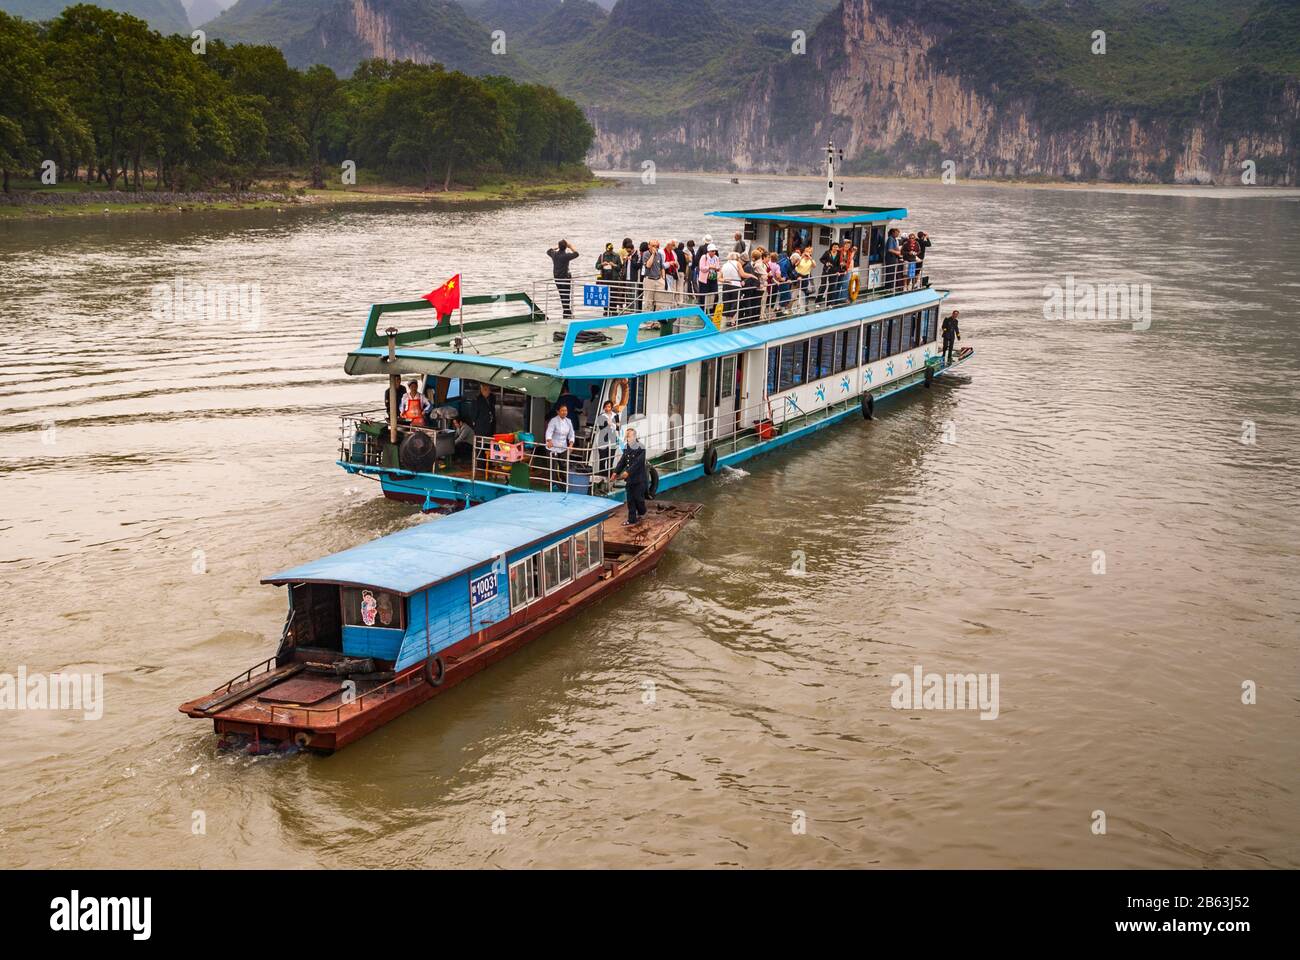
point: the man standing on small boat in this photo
(950, 333)
(631, 468)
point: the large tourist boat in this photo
(377, 630)
(705, 384)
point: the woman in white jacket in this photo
(607, 432)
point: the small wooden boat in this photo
(379, 629)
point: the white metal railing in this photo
(769, 300)
(530, 465)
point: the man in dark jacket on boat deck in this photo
(631, 467)
(485, 412)
(483, 416)
(950, 333)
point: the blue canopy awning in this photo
(677, 350)
(415, 559)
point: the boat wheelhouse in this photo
(378, 629)
(707, 380)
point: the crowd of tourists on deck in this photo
(749, 281)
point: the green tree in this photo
(107, 63)
(319, 114)
(36, 121)
(467, 117)
(261, 72)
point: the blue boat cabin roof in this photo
(636, 357)
(414, 559)
(812, 213)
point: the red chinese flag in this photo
(446, 298)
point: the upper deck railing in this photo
(582, 299)
(557, 301)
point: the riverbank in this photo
(30, 201)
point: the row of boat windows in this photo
(546, 571)
(827, 354)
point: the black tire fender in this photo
(929, 377)
(868, 406)
(432, 678)
(710, 460)
(653, 486)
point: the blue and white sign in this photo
(595, 295)
(482, 590)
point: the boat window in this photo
(877, 243)
(793, 356)
(635, 398)
(895, 335)
(925, 326)
(566, 561)
(518, 587)
(909, 331)
(373, 608)
(872, 346)
(551, 567)
(849, 355)
(581, 553)
(825, 355)
(838, 362)
(934, 324)
(824, 237)
(773, 365)
(727, 378)
(524, 583)
(596, 544)
(557, 564)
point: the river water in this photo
(1078, 515)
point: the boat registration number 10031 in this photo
(483, 589)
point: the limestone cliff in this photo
(881, 85)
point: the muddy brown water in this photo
(152, 470)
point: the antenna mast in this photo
(830, 176)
